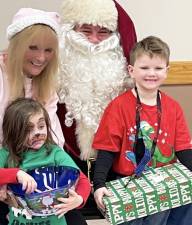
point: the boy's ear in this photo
(130, 69)
(168, 67)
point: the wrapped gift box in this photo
(156, 190)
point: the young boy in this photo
(143, 124)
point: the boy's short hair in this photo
(151, 46)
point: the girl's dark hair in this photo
(15, 127)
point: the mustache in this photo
(39, 137)
(80, 42)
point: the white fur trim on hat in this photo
(26, 17)
(95, 12)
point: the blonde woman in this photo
(29, 65)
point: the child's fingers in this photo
(29, 186)
(60, 215)
(24, 185)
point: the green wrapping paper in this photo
(156, 190)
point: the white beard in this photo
(91, 76)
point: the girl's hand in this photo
(98, 195)
(27, 181)
(3, 192)
(73, 201)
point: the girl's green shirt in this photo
(33, 159)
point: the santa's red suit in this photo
(91, 75)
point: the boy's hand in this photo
(73, 201)
(3, 192)
(98, 195)
(27, 181)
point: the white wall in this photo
(168, 19)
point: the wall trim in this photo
(180, 72)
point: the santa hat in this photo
(96, 12)
(105, 13)
(126, 30)
(26, 17)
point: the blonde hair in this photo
(43, 83)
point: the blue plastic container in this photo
(52, 182)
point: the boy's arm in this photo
(185, 157)
(103, 164)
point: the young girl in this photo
(32, 146)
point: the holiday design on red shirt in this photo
(117, 129)
(146, 133)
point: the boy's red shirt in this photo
(116, 132)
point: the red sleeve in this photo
(8, 175)
(110, 132)
(182, 135)
(83, 188)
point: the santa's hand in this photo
(98, 195)
(73, 201)
(3, 192)
(27, 181)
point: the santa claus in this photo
(97, 36)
